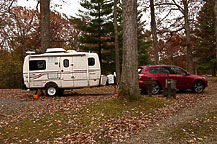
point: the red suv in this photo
(184, 80)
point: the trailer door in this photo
(67, 76)
(94, 70)
(80, 69)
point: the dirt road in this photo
(197, 124)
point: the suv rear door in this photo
(159, 73)
(181, 77)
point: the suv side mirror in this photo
(187, 74)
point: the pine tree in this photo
(96, 23)
(143, 44)
(206, 50)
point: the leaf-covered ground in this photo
(194, 124)
(95, 116)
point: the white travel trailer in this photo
(58, 69)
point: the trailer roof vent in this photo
(30, 52)
(55, 50)
(71, 51)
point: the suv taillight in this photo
(140, 76)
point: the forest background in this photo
(167, 42)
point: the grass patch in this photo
(94, 90)
(212, 79)
(30, 130)
(91, 117)
(202, 129)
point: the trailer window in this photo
(66, 63)
(37, 65)
(91, 61)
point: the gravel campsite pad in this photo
(18, 107)
(15, 103)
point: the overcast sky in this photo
(70, 8)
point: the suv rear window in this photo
(177, 71)
(140, 70)
(158, 70)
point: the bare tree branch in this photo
(171, 31)
(37, 5)
(169, 13)
(179, 7)
(10, 5)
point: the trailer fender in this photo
(51, 89)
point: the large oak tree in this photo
(154, 31)
(117, 61)
(129, 87)
(185, 12)
(215, 12)
(178, 17)
(45, 24)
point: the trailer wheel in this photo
(51, 90)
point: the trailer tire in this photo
(51, 89)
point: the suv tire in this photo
(156, 89)
(198, 87)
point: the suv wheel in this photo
(198, 87)
(155, 89)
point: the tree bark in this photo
(215, 14)
(154, 31)
(117, 61)
(45, 24)
(129, 86)
(188, 37)
(99, 34)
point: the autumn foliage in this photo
(20, 32)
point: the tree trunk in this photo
(154, 32)
(99, 34)
(129, 86)
(188, 37)
(214, 71)
(45, 24)
(117, 62)
(215, 13)
(100, 50)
